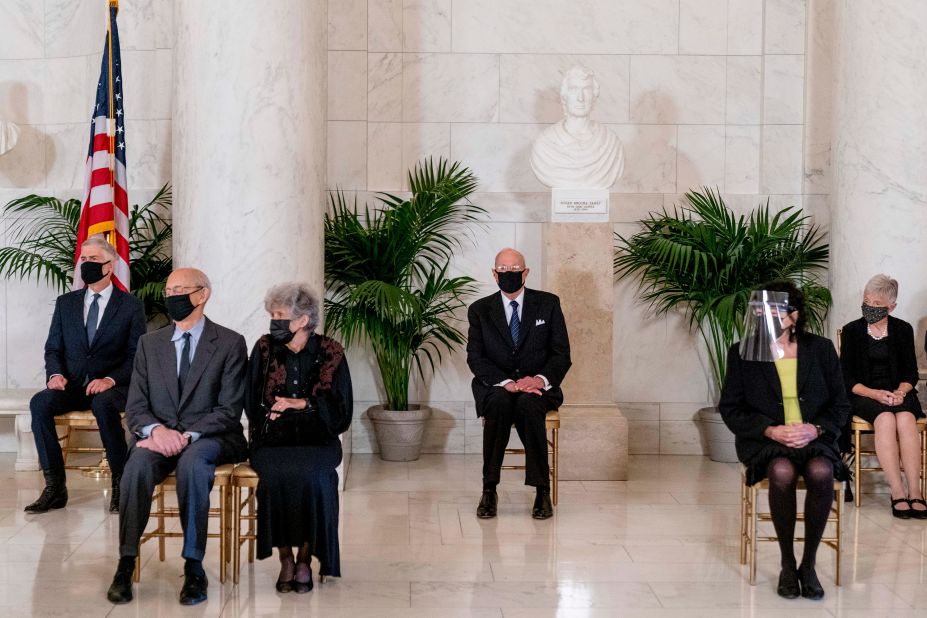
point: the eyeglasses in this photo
(181, 289)
(508, 269)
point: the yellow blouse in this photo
(787, 368)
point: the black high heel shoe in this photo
(917, 513)
(788, 584)
(302, 587)
(901, 513)
(810, 586)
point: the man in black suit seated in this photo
(519, 353)
(184, 408)
(88, 363)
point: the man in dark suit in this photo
(184, 408)
(88, 363)
(519, 353)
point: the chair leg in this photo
(252, 533)
(753, 496)
(223, 532)
(161, 527)
(839, 534)
(924, 463)
(857, 440)
(137, 575)
(236, 533)
(554, 469)
(743, 523)
(66, 445)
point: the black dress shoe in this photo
(120, 591)
(194, 589)
(114, 496)
(810, 586)
(542, 509)
(918, 513)
(302, 587)
(788, 583)
(52, 497)
(489, 502)
(899, 513)
(285, 586)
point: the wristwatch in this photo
(820, 430)
(187, 437)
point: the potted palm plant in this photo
(42, 236)
(704, 260)
(388, 284)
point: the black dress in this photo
(880, 377)
(297, 493)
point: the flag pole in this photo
(110, 125)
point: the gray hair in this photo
(882, 286)
(297, 297)
(100, 243)
(580, 72)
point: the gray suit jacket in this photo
(213, 397)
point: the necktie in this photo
(184, 361)
(515, 324)
(93, 315)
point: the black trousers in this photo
(106, 407)
(501, 410)
(145, 469)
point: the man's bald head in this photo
(510, 257)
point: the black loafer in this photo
(194, 589)
(120, 591)
(810, 586)
(52, 497)
(543, 509)
(788, 584)
(489, 503)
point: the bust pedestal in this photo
(594, 433)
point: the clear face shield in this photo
(767, 317)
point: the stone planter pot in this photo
(399, 433)
(719, 438)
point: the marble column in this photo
(249, 153)
(879, 209)
(594, 433)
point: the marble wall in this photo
(50, 54)
(701, 92)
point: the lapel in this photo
(166, 354)
(205, 348)
(112, 307)
(74, 305)
(528, 311)
(772, 379)
(804, 363)
(497, 315)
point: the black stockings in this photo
(819, 481)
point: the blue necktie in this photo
(184, 362)
(93, 315)
(515, 324)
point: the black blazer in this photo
(853, 356)
(751, 399)
(214, 392)
(544, 347)
(112, 351)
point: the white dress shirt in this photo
(506, 304)
(105, 295)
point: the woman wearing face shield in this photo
(880, 371)
(298, 400)
(784, 400)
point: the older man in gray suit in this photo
(184, 407)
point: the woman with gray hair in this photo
(880, 371)
(298, 400)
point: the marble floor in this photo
(662, 544)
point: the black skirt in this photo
(756, 467)
(868, 409)
(297, 499)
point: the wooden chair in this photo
(749, 516)
(552, 425)
(244, 477)
(72, 423)
(223, 482)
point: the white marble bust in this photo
(578, 151)
(9, 135)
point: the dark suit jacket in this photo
(751, 399)
(112, 351)
(854, 359)
(213, 397)
(544, 347)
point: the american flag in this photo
(106, 204)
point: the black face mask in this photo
(874, 314)
(91, 272)
(280, 331)
(179, 306)
(510, 281)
